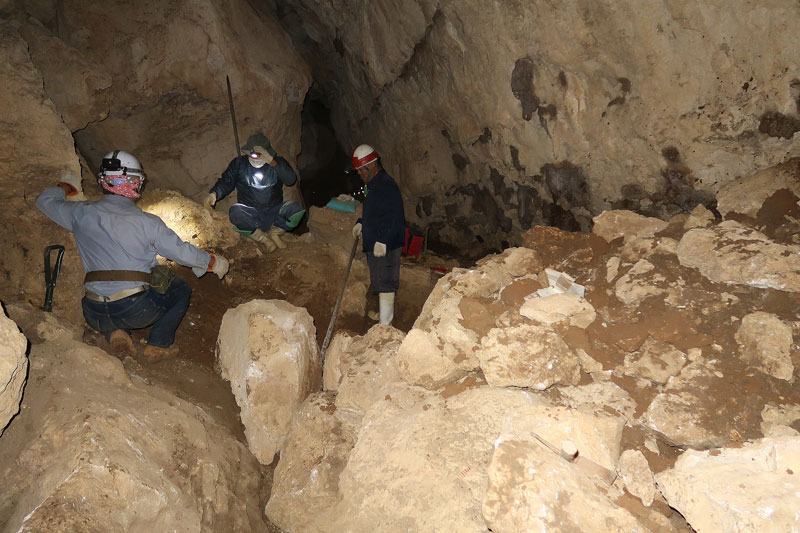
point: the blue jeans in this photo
(163, 311)
(249, 218)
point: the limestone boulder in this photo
(700, 217)
(360, 371)
(733, 253)
(639, 282)
(559, 307)
(441, 346)
(333, 227)
(595, 433)
(783, 418)
(655, 360)
(533, 489)
(613, 224)
(420, 461)
(750, 489)
(13, 369)
(527, 356)
(676, 413)
(602, 395)
(267, 350)
(306, 480)
(765, 342)
(637, 476)
(97, 450)
(746, 195)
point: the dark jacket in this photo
(256, 187)
(383, 219)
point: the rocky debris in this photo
(699, 218)
(603, 395)
(613, 224)
(527, 356)
(559, 307)
(639, 282)
(441, 345)
(267, 350)
(333, 227)
(533, 489)
(306, 480)
(676, 414)
(93, 449)
(637, 476)
(766, 342)
(736, 254)
(13, 369)
(655, 360)
(746, 195)
(421, 458)
(754, 488)
(358, 368)
(783, 419)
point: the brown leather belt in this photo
(119, 295)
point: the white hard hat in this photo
(122, 174)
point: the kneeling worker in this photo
(382, 225)
(258, 177)
(118, 243)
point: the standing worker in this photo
(258, 177)
(382, 225)
(118, 243)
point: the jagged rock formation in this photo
(494, 118)
(13, 369)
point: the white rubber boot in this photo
(275, 234)
(263, 238)
(386, 306)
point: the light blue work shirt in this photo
(114, 234)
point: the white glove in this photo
(379, 250)
(357, 231)
(220, 267)
(211, 199)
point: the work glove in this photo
(218, 265)
(267, 153)
(73, 194)
(357, 230)
(211, 199)
(379, 250)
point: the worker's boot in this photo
(386, 307)
(275, 234)
(121, 343)
(263, 238)
(154, 354)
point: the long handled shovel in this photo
(338, 303)
(51, 274)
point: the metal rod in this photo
(233, 118)
(338, 303)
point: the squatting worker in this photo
(118, 243)
(258, 177)
(382, 226)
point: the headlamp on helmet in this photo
(121, 174)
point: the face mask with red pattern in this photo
(122, 185)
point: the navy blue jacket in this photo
(383, 219)
(256, 187)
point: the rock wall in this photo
(497, 116)
(147, 77)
